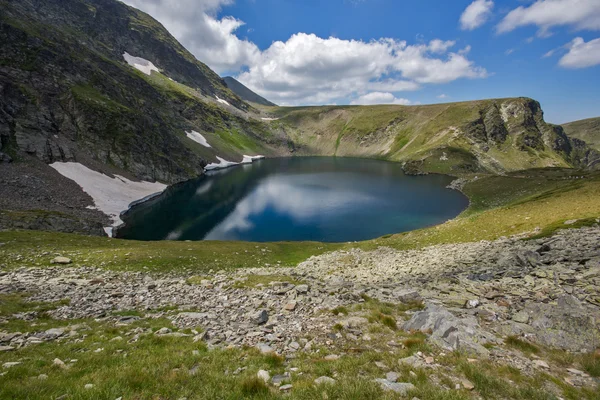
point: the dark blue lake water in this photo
(290, 199)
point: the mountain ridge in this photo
(246, 94)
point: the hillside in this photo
(587, 130)
(98, 80)
(246, 94)
(492, 136)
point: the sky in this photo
(313, 52)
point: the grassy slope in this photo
(434, 133)
(587, 130)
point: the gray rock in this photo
(6, 348)
(406, 295)
(392, 376)
(324, 380)
(163, 331)
(400, 388)
(450, 332)
(61, 260)
(521, 317)
(261, 317)
(265, 348)
(302, 289)
(264, 375)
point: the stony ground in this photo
(529, 307)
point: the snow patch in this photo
(249, 159)
(225, 164)
(270, 119)
(140, 63)
(111, 195)
(198, 138)
(109, 231)
(222, 101)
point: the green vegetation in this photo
(521, 345)
(91, 95)
(587, 130)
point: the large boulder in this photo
(450, 332)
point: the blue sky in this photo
(338, 52)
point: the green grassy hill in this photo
(495, 136)
(587, 130)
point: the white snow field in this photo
(225, 164)
(140, 63)
(222, 101)
(110, 195)
(198, 138)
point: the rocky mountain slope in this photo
(587, 130)
(491, 136)
(246, 94)
(103, 81)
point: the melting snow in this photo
(225, 164)
(111, 195)
(270, 119)
(140, 63)
(222, 101)
(249, 159)
(198, 138)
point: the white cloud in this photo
(550, 53)
(545, 14)
(476, 14)
(508, 52)
(581, 54)
(379, 98)
(193, 23)
(309, 69)
(443, 96)
(438, 46)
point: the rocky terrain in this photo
(467, 297)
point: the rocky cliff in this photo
(100, 80)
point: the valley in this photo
(340, 260)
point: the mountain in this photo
(491, 136)
(587, 130)
(245, 93)
(104, 85)
(98, 80)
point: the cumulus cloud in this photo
(307, 69)
(379, 98)
(476, 14)
(193, 22)
(310, 69)
(581, 54)
(545, 14)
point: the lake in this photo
(325, 199)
